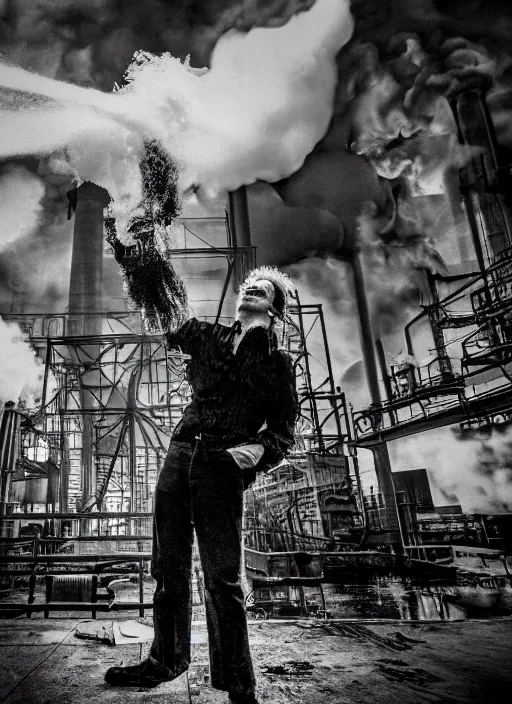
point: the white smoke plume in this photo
(328, 282)
(34, 266)
(20, 370)
(20, 202)
(255, 114)
(475, 472)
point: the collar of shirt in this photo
(257, 332)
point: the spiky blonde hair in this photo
(283, 285)
(277, 278)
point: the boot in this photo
(144, 674)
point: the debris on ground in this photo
(146, 621)
(402, 672)
(94, 630)
(132, 632)
(366, 635)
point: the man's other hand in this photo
(247, 456)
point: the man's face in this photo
(258, 297)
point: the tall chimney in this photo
(240, 231)
(85, 284)
(85, 308)
(239, 217)
(480, 183)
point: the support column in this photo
(85, 309)
(389, 515)
(390, 518)
(9, 439)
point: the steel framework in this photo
(109, 405)
(111, 401)
(468, 379)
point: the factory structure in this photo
(78, 470)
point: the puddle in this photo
(290, 668)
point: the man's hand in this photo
(247, 456)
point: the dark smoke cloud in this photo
(91, 42)
(461, 40)
(406, 58)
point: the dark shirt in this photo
(234, 395)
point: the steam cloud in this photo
(475, 472)
(20, 370)
(20, 202)
(255, 114)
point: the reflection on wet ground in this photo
(393, 599)
(385, 598)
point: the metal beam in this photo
(450, 416)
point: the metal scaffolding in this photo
(473, 332)
(110, 403)
(81, 490)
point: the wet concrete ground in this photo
(308, 662)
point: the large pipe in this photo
(239, 218)
(365, 328)
(381, 356)
(488, 216)
(435, 315)
(390, 517)
(240, 237)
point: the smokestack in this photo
(487, 213)
(390, 519)
(240, 231)
(85, 285)
(85, 308)
(239, 218)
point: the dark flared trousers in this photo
(201, 488)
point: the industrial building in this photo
(78, 469)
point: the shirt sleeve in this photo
(185, 337)
(279, 435)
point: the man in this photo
(240, 421)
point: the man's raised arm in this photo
(151, 282)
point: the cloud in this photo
(21, 192)
(477, 470)
(20, 371)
